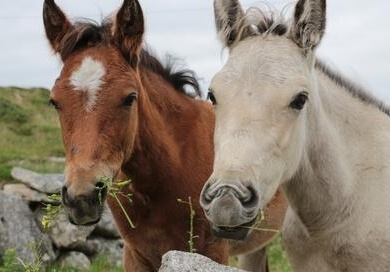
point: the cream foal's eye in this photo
(211, 98)
(299, 101)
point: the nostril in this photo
(101, 191)
(206, 198)
(64, 194)
(251, 199)
(100, 185)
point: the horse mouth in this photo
(233, 233)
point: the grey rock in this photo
(19, 231)
(76, 260)
(25, 192)
(107, 227)
(64, 234)
(45, 183)
(87, 247)
(112, 249)
(57, 159)
(177, 261)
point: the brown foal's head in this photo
(96, 96)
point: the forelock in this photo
(262, 22)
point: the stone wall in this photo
(21, 211)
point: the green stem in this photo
(262, 229)
(192, 213)
(192, 218)
(123, 210)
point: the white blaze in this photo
(88, 78)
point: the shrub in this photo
(12, 113)
(5, 172)
(9, 262)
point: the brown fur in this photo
(163, 143)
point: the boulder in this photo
(57, 159)
(19, 231)
(64, 234)
(45, 183)
(25, 192)
(76, 260)
(106, 226)
(112, 249)
(177, 261)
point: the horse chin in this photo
(85, 218)
(233, 233)
(84, 223)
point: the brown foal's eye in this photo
(299, 101)
(129, 100)
(54, 104)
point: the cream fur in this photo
(332, 158)
(88, 78)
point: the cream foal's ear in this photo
(229, 17)
(309, 22)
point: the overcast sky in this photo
(357, 40)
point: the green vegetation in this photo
(277, 257)
(52, 210)
(99, 264)
(114, 190)
(191, 234)
(29, 132)
(11, 263)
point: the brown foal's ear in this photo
(56, 24)
(129, 30)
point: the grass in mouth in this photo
(114, 189)
(257, 225)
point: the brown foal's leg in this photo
(134, 264)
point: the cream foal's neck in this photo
(324, 192)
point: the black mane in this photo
(89, 33)
(179, 78)
(351, 87)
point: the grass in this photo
(99, 264)
(52, 210)
(277, 256)
(29, 132)
(114, 190)
(11, 263)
